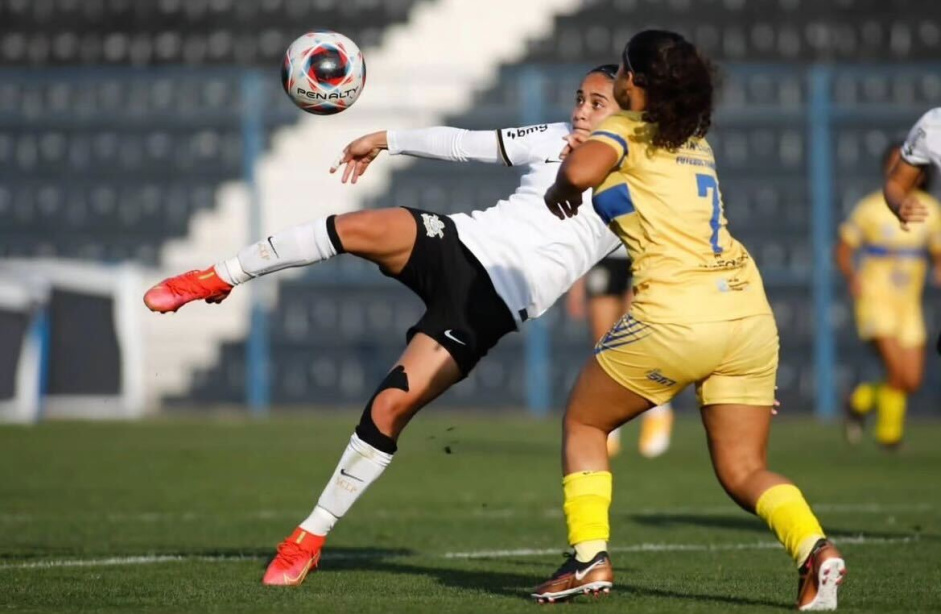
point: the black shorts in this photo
(463, 311)
(610, 277)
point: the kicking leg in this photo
(738, 439)
(383, 236)
(422, 373)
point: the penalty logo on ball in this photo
(323, 72)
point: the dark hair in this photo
(679, 85)
(608, 70)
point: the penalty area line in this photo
(119, 561)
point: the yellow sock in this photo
(587, 499)
(863, 398)
(891, 416)
(784, 509)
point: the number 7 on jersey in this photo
(705, 183)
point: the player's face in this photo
(594, 101)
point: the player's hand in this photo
(561, 203)
(572, 141)
(911, 211)
(776, 405)
(358, 155)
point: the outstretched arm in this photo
(440, 143)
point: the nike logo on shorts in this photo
(451, 336)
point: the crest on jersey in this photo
(434, 227)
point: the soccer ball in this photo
(323, 72)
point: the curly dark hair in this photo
(679, 84)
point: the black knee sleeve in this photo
(332, 233)
(367, 429)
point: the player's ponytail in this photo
(678, 82)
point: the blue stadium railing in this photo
(818, 113)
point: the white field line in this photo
(120, 517)
(858, 540)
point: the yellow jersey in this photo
(893, 262)
(666, 206)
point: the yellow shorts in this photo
(883, 318)
(733, 361)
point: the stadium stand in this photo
(763, 161)
(141, 157)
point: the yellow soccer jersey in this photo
(894, 262)
(667, 209)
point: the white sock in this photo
(360, 466)
(297, 246)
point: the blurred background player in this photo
(921, 150)
(700, 316)
(603, 296)
(887, 287)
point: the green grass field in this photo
(182, 515)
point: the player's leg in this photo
(738, 439)
(423, 372)
(873, 319)
(904, 366)
(465, 318)
(383, 236)
(597, 406)
(604, 309)
(737, 399)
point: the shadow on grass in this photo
(515, 584)
(754, 524)
(736, 523)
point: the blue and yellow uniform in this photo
(700, 314)
(892, 268)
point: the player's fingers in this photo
(336, 163)
(361, 167)
(347, 171)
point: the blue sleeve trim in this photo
(613, 202)
(617, 138)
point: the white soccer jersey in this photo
(533, 257)
(923, 145)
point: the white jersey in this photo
(923, 145)
(532, 256)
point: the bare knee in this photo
(391, 411)
(907, 382)
(911, 382)
(737, 478)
